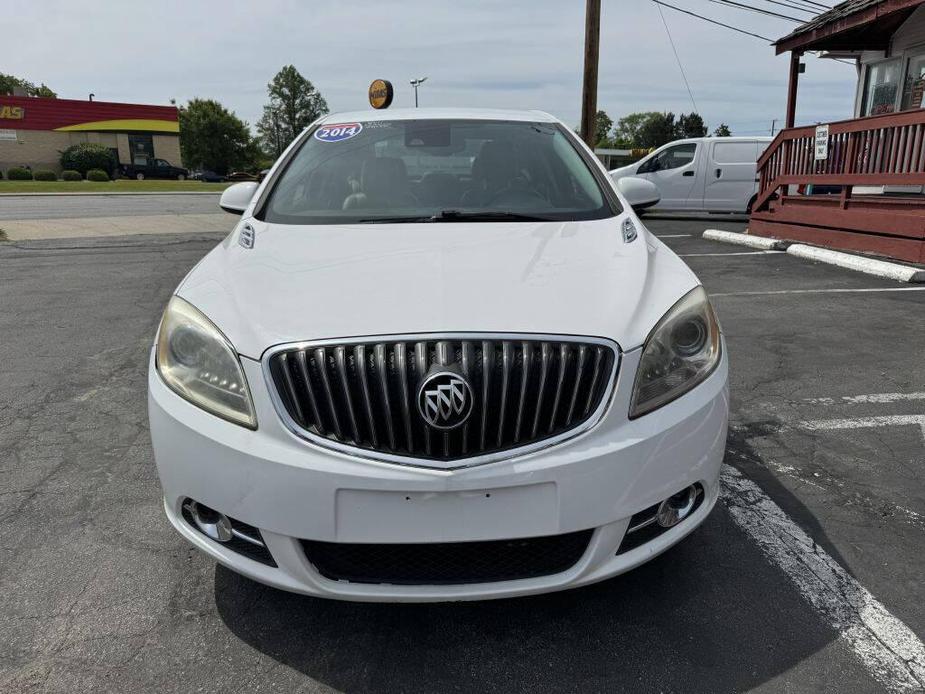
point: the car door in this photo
(162, 169)
(674, 172)
(729, 182)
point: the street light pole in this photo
(417, 83)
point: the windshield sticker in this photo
(338, 131)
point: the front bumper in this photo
(292, 490)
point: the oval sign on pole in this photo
(380, 93)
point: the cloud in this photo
(515, 54)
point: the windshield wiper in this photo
(460, 216)
(397, 220)
(486, 216)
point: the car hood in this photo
(320, 282)
(630, 170)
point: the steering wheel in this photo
(516, 196)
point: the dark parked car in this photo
(238, 176)
(153, 168)
(207, 176)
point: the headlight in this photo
(200, 364)
(680, 352)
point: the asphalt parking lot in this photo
(806, 577)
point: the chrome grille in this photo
(527, 390)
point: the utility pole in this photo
(773, 126)
(417, 83)
(279, 148)
(589, 86)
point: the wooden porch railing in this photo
(878, 150)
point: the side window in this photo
(677, 156)
(670, 158)
(734, 152)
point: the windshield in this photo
(436, 170)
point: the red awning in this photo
(854, 25)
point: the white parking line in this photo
(823, 291)
(867, 422)
(870, 397)
(672, 236)
(890, 651)
(710, 255)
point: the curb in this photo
(880, 268)
(858, 263)
(741, 239)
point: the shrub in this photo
(44, 175)
(97, 175)
(71, 175)
(85, 156)
(17, 173)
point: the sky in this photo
(504, 54)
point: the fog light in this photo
(676, 508)
(210, 522)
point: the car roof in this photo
(439, 114)
(714, 138)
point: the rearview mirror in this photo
(236, 198)
(639, 192)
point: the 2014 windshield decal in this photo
(338, 131)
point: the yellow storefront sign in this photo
(12, 112)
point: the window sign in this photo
(822, 142)
(881, 87)
(914, 87)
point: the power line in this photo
(713, 21)
(817, 4)
(678, 60)
(793, 6)
(757, 10)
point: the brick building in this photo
(34, 131)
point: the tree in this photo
(9, 82)
(86, 156)
(691, 125)
(722, 130)
(214, 138)
(653, 129)
(294, 103)
(657, 130)
(626, 133)
(602, 125)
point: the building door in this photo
(141, 148)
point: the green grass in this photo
(121, 186)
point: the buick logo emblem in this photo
(445, 400)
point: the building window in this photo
(141, 148)
(881, 87)
(914, 87)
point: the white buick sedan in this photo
(439, 358)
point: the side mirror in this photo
(639, 192)
(236, 198)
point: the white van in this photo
(712, 174)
